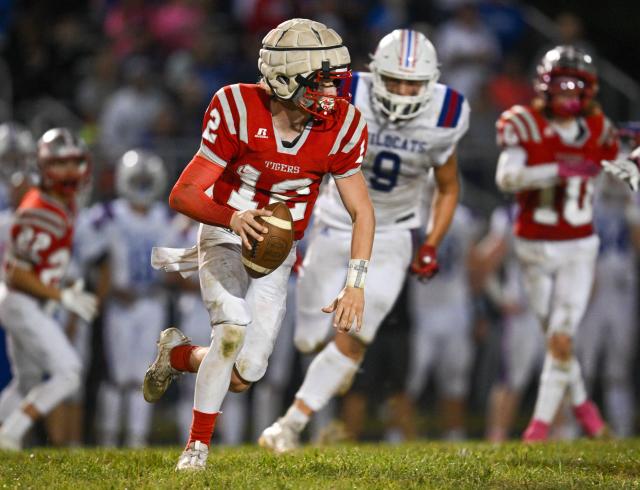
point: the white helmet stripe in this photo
(242, 112)
(343, 130)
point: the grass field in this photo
(577, 465)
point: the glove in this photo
(624, 170)
(584, 168)
(80, 302)
(425, 265)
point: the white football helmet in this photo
(141, 177)
(17, 151)
(296, 55)
(403, 54)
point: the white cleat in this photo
(279, 438)
(160, 374)
(194, 457)
(9, 443)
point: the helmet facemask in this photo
(403, 55)
(319, 92)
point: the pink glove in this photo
(581, 168)
(425, 265)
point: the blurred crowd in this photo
(135, 74)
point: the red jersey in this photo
(564, 211)
(41, 236)
(259, 168)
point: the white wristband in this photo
(357, 273)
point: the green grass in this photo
(577, 465)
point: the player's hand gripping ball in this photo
(267, 255)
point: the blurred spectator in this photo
(127, 26)
(131, 111)
(176, 24)
(505, 19)
(99, 82)
(467, 49)
(510, 86)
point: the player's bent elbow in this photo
(177, 197)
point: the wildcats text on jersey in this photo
(397, 142)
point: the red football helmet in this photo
(56, 147)
(566, 70)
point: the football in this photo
(266, 256)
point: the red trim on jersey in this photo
(188, 194)
(451, 109)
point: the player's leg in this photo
(26, 373)
(269, 393)
(194, 322)
(538, 280)
(423, 344)
(453, 370)
(333, 369)
(118, 340)
(149, 314)
(521, 350)
(574, 265)
(47, 345)
(223, 285)
(620, 346)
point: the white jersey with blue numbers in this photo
(399, 157)
(127, 237)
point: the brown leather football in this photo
(266, 256)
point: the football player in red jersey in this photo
(551, 153)
(35, 262)
(261, 143)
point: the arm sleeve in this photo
(349, 157)
(513, 175)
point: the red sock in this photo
(180, 357)
(202, 426)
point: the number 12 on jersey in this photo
(244, 197)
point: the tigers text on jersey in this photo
(41, 236)
(399, 156)
(238, 134)
(564, 211)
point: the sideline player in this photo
(266, 142)
(415, 124)
(35, 262)
(522, 342)
(136, 305)
(551, 152)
